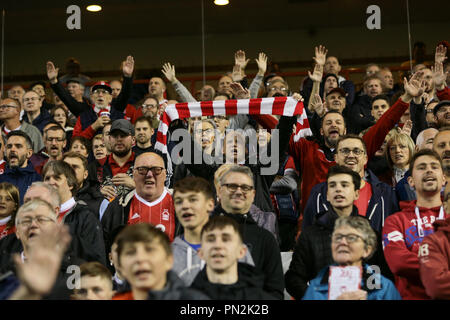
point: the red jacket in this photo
(434, 261)
(443, 94)
(313, 163)
(401, 243)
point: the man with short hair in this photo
(441, 145)
(95, 283)
(332, 66)
(442, 113)
(55, 142)
(16, 92)
(312, 251)
(144, 128)
(34, 113)
(376, 199)
(404, 231)
(193, 200)
(223, 86)
(157, 87)
(87, 192)
(388, 81)
(425, 139)
(10, 115)
(151, 202)
(19, 171)
(98, 147)
(130, 110)
(236, 195)
(434, 257)
(85, 229)
(115, 172)
(224, 278)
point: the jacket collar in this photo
(328, 218)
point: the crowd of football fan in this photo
(85, 190)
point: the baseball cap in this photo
(102, 85)
(443, 103)
(74, 79)
(338, 90)
(122, 125)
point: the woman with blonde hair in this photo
(399, 151)
(9, 204)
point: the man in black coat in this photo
(224, 278)
(236, 194)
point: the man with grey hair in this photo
(16, 92)
(236, 194)
(34, 220)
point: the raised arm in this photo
(73, 105)
(120, 103)
(257, 81)
(169, 72)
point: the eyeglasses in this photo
(275, 89)
(30, 99)
(156, 171)
(232, 187)
(98, 91)
(350, 238)
(429, 110)
(40, 220)
(50, 139)
(148, 106)
(356, 151)
(4, 106)
(206, 131)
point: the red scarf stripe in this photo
(254, 106)
(207, 108)
(279, 105)
(231, 107)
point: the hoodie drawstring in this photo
(419, 220)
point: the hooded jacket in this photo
(248, 287)
(318, 288)
(401, 243)
(434, 261)
(91, 196)
(264, 250)
(187, 264)
(382, 203)
(174, 290)
(312, 252)
(22, 178)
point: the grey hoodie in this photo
(187, 264)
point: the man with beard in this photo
(19, 170)
(404, 231)
(442, 113)
(144, 128)
(10, 115)
(315, 157)
(376, 199)
(115, 172)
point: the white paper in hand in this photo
(343, 279)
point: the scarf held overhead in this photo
(282, 106)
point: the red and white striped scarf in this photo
(282, 106)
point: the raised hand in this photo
(169, 72)
(439, 76)
(321, 55)
(414, 87)
(52, 72)
(297, 96)
(38, 274)
(128, 66)
(440, 54)
(317, 105)
(262, 63)
(238, 91)
(239, 59)
(236, 75)
(317, 74)
(407, 127)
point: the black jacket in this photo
(360, 114)
(264, 250)
(91, 196)
(311, 253)
(87, 236)
(176, 290)
(248, 287)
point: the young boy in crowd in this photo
(95, 283)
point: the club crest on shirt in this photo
(166, 215)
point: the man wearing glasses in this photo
(151, 202)
(376, 199)
(55, 142)
(236, 194)
(10, 115)
(34, 113)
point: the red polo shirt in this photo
(115, 168)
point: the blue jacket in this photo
(318, 287)
(22, 178)
(382, 204)
(403, 189)
(41, 121)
